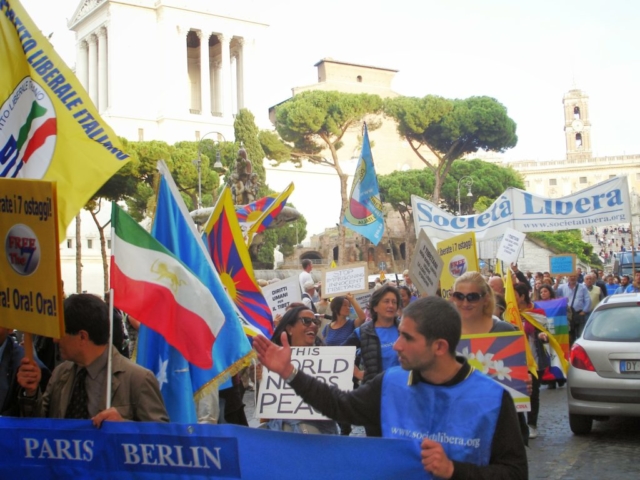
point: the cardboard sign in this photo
(364, 298)
(281, 294)
(343, 280)
(500, 356)
(459, 256)
(426, 266)
(331, 365)
(562, 264)
(30, 286)
(510, 246)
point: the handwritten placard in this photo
(330, 365)
(364, 298)
(342, 280)
(562, 264)
(510, 246)
(426, 265)
(280, 295)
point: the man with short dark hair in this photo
(305, 275)
(463, 423)
(624, 284)
(78, 386)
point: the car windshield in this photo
(621, 324)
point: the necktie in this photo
(79, 400)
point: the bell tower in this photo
(577, 126)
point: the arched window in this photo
(578, 140)
(576, 113)
(359, 78)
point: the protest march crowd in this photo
(409, 382)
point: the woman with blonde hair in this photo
(476, 303)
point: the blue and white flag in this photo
(182, 383)
(364, 212)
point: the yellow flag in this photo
(333, 264)
(382, 276)
(512, 315)
(49, 128)
(498, 270)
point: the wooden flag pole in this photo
(28, 346)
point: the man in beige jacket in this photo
(78, 386)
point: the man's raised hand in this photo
(275, 358)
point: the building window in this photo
(578, 140)
(553, 182)
(69, 243)
(89, 243)
(197, 135)
(526, 184)
(109, 243)
(141, 134)
(576, 113)
(359, 78)
(583, 179)
(638, 176)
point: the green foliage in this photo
(489, 182)
(246, 133)
(318, 119)
(567, 241)
(451, 129)
(273, 146)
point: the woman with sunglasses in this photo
(301, 326)
(476, 303)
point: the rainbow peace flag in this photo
(556, 312)
(230, 257)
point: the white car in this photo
(604, 372)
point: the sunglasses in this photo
(308, 321)
(472, 297)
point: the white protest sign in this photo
(342, 280)
(331, 365)
(363, 298)
(510, 246)
(426, 265)
(281, 294)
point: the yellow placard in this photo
(30, 286)
(459, 256)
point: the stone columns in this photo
(225, 74)
(102, 70)
(217, 91)
(82, 71)
(93, 69)
(205, 82)
(240, 73)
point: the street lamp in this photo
(467, 182)
(295, 225)
(217, 166)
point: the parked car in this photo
(604, 371)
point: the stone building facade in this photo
(166, 69)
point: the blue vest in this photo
(461, 417)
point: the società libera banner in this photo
(605, 203)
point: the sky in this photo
(525, 54)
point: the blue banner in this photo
(48, 448)
(364, 212)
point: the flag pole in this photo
(110, 344)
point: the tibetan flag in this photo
(557, 325)
(500, 356)
(183, 383)
(364, 212)
(513, 315)
(50, 130)
(161, 292)
(231, 259)
(257, 216)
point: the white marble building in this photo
(166, 69)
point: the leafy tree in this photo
(316, 121)
(567, 241)
(273, 146)
(246, 133)
(450, 129)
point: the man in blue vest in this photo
(463, 423)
